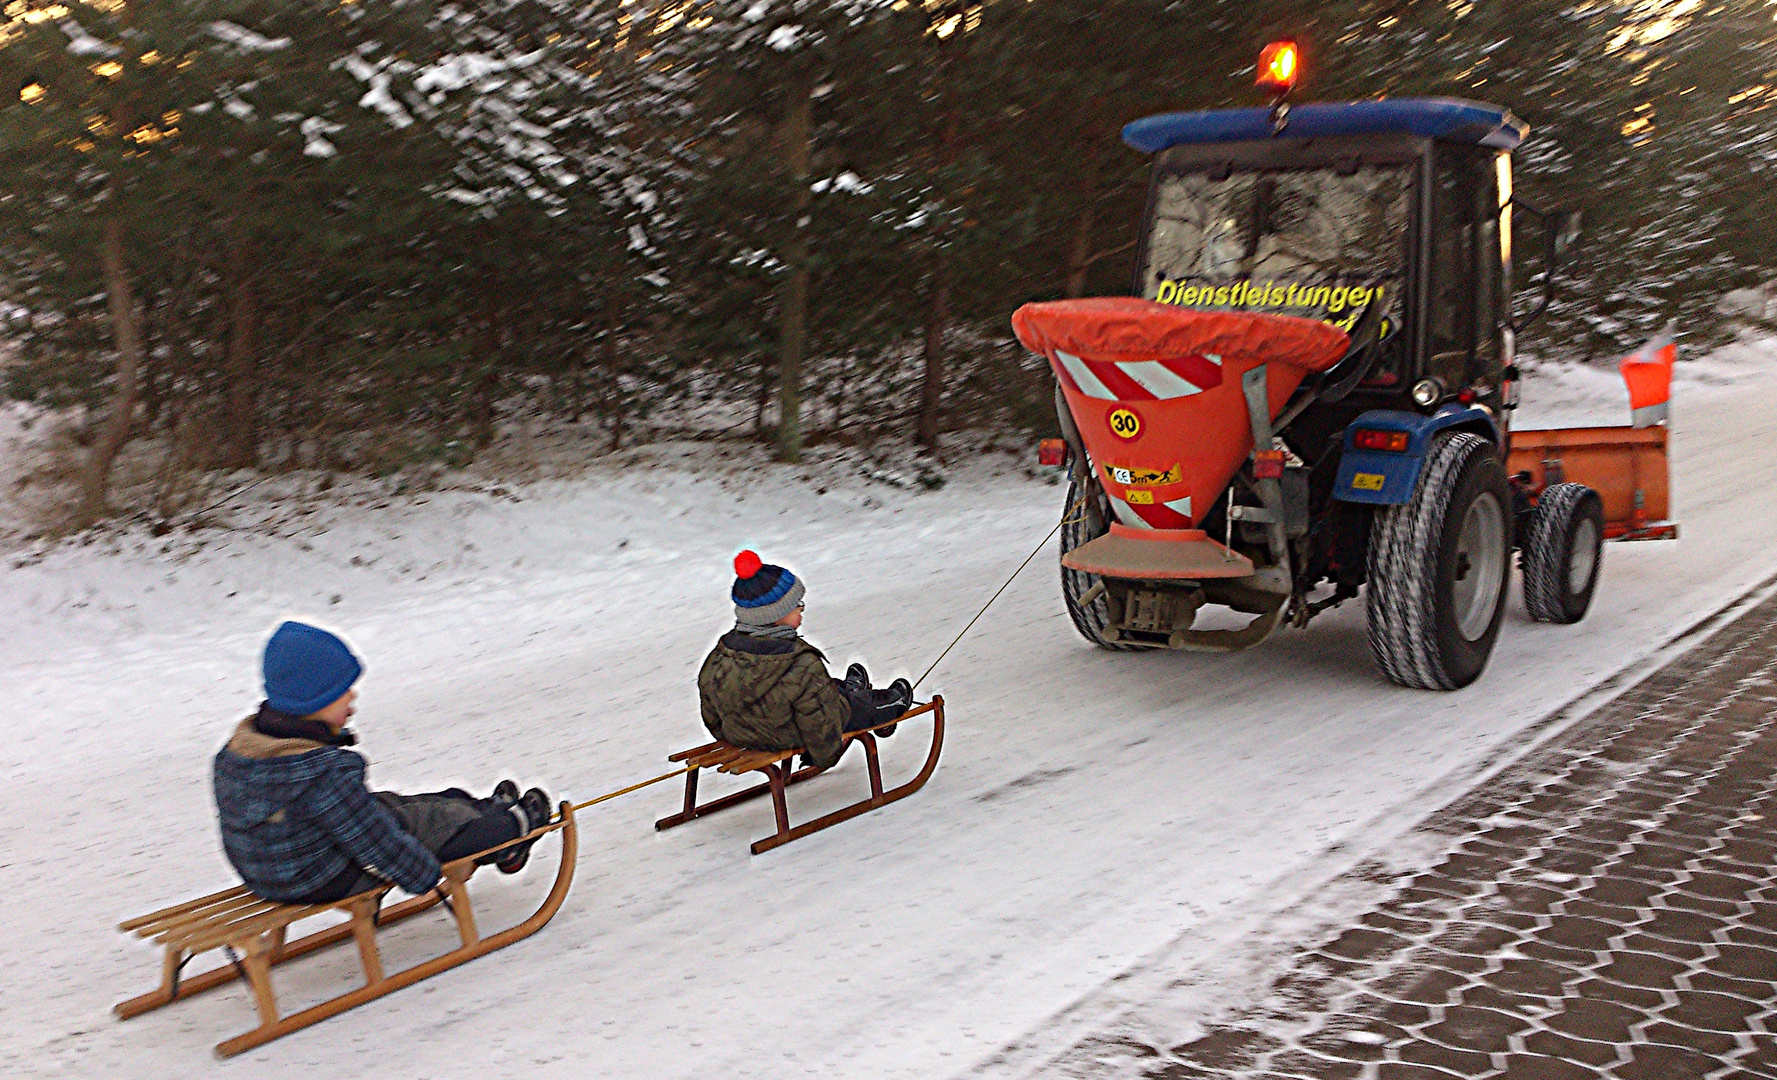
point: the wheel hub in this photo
(1479, 566)
(1583, 558)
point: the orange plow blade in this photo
(1626, 466)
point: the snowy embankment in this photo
(1091, 808)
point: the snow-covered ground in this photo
(1090, 809)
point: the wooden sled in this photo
(251, 932)
(780, 771)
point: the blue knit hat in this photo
(307, 669)
(763, 593)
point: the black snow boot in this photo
(857, 680)
(891, 703)
(505, 794)
(536, 810)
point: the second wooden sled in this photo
(251, 932)
(779, 767)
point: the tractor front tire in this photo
(1077, 518)
(1438, 568)
(1562, 554)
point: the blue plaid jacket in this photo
(295, 814)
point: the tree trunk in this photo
(126, 334)
(937, 321)
(764, 396)
(241, 442)
(576, 375)
(931, 394)
(612, 388)
(487, 381)
(793, 300)
(1079, 254)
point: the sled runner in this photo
(779, 767)
(251, 933)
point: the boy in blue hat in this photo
(764, 688)
(298, 823)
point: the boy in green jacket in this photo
(764, 688)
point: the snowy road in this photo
(1090, 807)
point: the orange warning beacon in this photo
(1278, 67)
(1649, 375)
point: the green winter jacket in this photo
(771, 694)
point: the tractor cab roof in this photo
(1450, 119)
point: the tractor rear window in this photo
(1319, 244)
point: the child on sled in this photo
(765, 688)
(298, 823)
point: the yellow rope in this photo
(633, 787)
(559, 821)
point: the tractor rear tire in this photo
(1439, 566)
(1092, 619)
(1562, 554)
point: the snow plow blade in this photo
(1157, 555)
(1627, 467)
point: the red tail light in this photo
(1268, 465)
(1052, 452)
(1395, 442)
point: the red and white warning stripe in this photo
(1140, 380)
(1173, 514)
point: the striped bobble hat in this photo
(763, 593)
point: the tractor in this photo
(1310, 395)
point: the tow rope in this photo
(609, 795)
(996, 595)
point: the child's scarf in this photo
(270, 721)
(776, 631)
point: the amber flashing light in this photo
(1278, 66)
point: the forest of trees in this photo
(256, 230)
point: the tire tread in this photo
(1405, 543)
(1544, 557)
(1092, 620)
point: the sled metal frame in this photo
(252, 933)
(779, 767)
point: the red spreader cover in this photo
(1155, 392)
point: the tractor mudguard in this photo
(1387, 478)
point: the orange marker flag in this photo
(1649, 375)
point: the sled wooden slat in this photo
(254, 931)
(143, 924)
(780, 772)
(720, 754)
(686, 755)
(218, 915)
(197, 939)
(754, 760)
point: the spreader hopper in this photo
(1156, 394)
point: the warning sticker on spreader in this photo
(1146, 498)
(1143, 477)
(1368, 481)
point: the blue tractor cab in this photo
(1393, 221)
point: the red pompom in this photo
(747, 563)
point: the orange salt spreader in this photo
(1161, 398)
(1310, 396)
